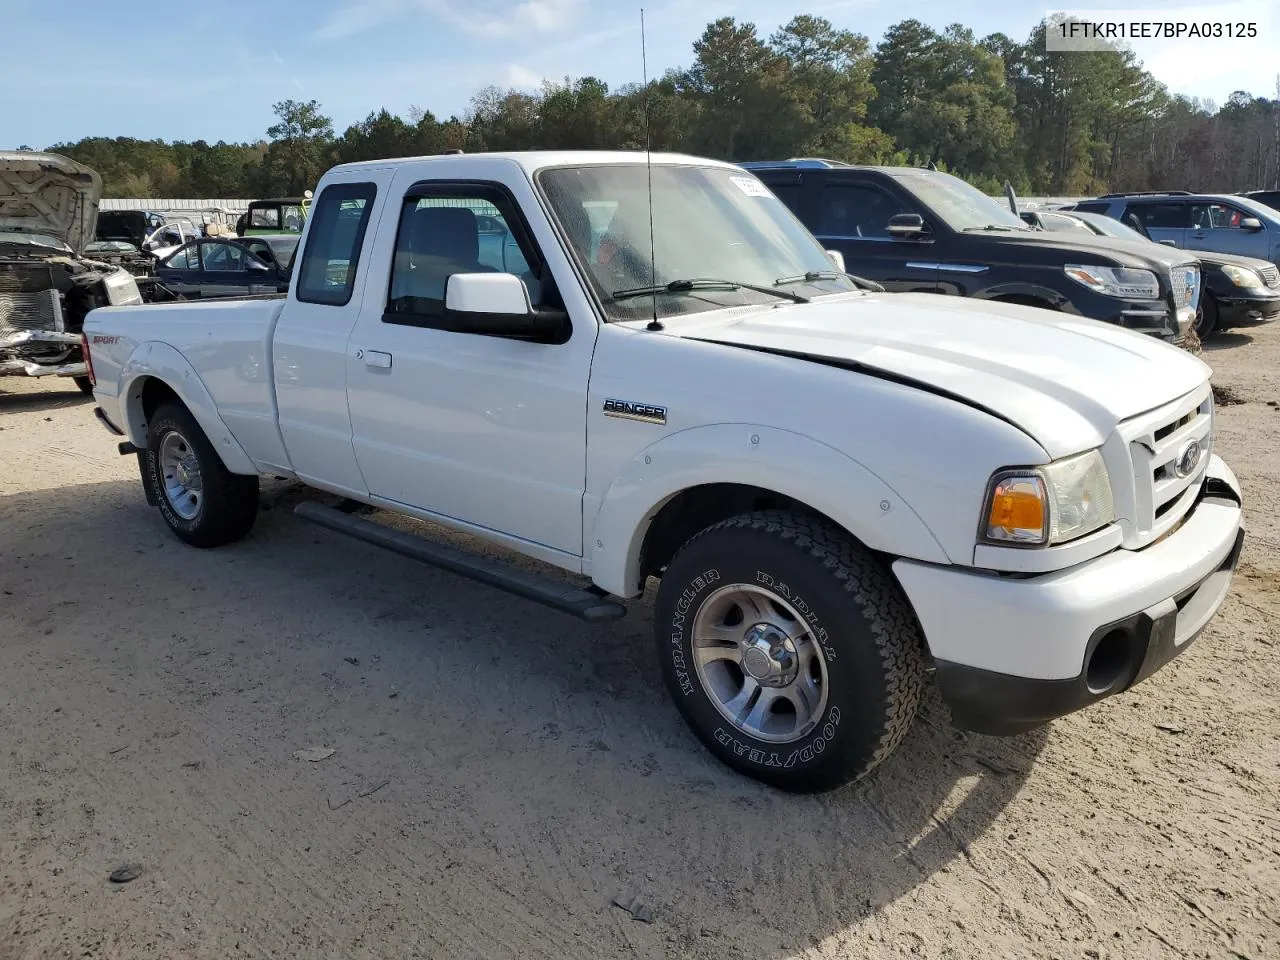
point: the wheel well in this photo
(1026, 300)
(154, 393)
(692, 511)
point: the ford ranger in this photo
(654, 372)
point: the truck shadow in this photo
(33, 401)
(555, 737)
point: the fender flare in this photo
(780, 461)
(160, 361)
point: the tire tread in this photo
(894, 628)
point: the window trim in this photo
(508, 207)
(357, 249)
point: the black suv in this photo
(916, 229)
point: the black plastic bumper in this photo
(1247, 311)
(1118, 656)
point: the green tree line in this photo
(989, 109)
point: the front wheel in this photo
(203, 502)
(1207, 322)
(85, 385)
(789, 649)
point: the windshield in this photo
(33, 240)
(709, 223)
(961, 206)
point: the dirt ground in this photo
(500, 773)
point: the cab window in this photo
(332, 254)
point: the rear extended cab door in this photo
(309, 347)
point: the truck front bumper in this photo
(1013, 653)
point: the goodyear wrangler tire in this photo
(790, 651)
(203, 502)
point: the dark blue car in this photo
(229, 267)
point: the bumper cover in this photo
(1240, 311)
(1012, 653)
(19, 365)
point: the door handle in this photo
(375, 358)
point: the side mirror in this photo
(1168, 243)
(257, 265)
(906, 226)
(498, 304)
(1252, 224)
(836, 257)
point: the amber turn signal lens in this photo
(1018, 510)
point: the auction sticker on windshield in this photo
(751, 186)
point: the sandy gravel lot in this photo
(500, 773)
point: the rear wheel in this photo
(789, 649)
(203, 502)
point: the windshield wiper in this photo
(814, 275)
(996, 226)
(684, 286)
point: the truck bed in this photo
(228, 344)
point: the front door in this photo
(481, 429)
(854, 219)
(1218, 227)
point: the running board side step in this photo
(585, 604)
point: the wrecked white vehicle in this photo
(48, 209)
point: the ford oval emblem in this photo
(1188, 459)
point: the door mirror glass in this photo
(906, 225)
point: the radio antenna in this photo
(655, 323)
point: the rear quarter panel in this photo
(215, 355)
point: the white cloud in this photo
(522, 78)
(478, 18)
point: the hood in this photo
(50, 194)
(1216, 259)
(1124, 253)
(1064, 380)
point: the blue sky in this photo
(212, 70)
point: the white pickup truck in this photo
(634, 372)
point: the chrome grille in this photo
(1158, 443)
(1270, 276)
(1186, 287)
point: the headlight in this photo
(1116, 281)
(121, 288)
(1242, 277)
(1052, 504)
